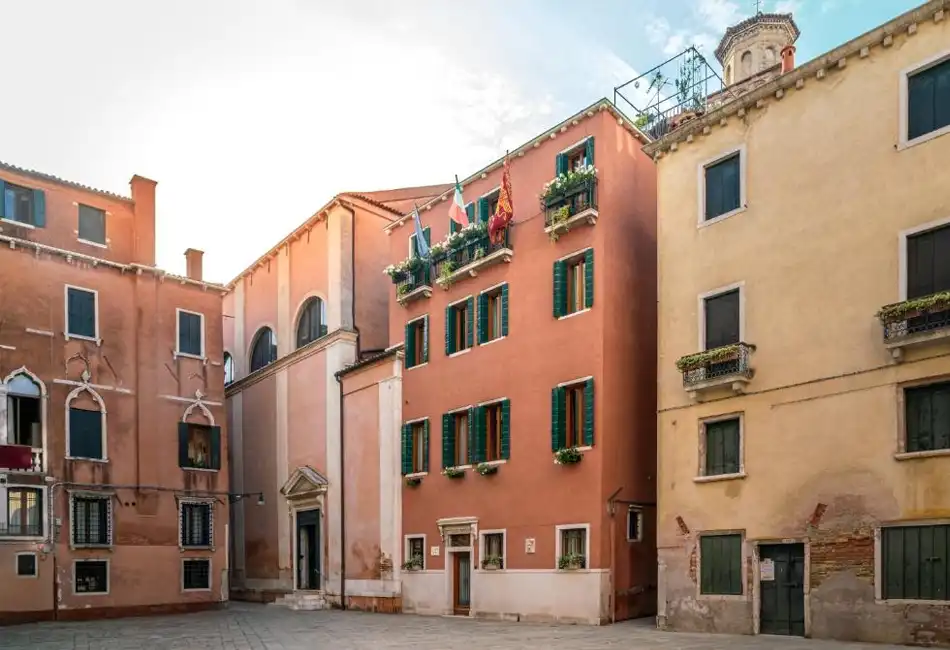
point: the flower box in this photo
(571, 562)
(453, 472)
(569, 456)
(485, 469)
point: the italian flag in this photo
(457, 209)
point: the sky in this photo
(251, 114)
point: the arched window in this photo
(313, 322)
(746, 64)
(24, 407)
(86, 424)
(769, 56)
(264, 350)
(728, 74)
(228, 369)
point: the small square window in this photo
(723, 190)
(199, 446)
(723, 447)
(18, 204)
(634, 525)
(928, 100)
(417, 342)
(81, 311)
(190, 333)
(573, 551)
(92, 224)
(196, 523)
(26, 565)
(91, 577)
(92, 521)
(927, 417)
(494, 551)
(196, 574)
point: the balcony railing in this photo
(729, 366)
(30, 529)
(578, 204)
(470, 258)
(914, 322)
(415, 284)
(21, 458)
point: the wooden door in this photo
(461, 582)
(782, 589)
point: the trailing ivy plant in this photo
(567, 456)
(404, 288)
(931, 304)
(704, 358)
(570, 561)
(445, 272)
(558, 218)
(413, 481)
(453, 472)
(413, 564)
(486, 468)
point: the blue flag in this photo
(422, 246)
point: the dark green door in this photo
(782, 586)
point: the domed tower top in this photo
(755, 45)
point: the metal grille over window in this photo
(195, 525)
(24, 513)
(91, 521)
(196, 574)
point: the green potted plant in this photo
(413, 564)
(453, 472)
(445, 271)
(570, 562)
(492, 562)
(486, 468)
(559, 217)
(413, 481)
(933, 303)
(568, 456)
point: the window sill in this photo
(921, 139)
(89, 242)
(188, 355)
(581, 449)
(88, 460)
(492, 463)
(494, 340)
(420, 365)
(200, 469)
(195, 548)
(92, 547)
(460, 468)
(422, 291)
(83, 337)
(28, 226)
(472, 268)
(459, 353)
(911, 601)
(575, 313)
(572, 570)
(911, 455)
(23, 538)
(734, 597)
(416, 475)
(196, 590)
(588, 216)
(722, 217)
(719, 477)
(90, 593)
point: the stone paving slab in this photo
(244, 626)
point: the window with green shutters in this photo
(574, 283)
(720, 564)
(493, 314)
(22, 205)
(572, 415)
(81, 310)
(417, 342)
(723, 447)
(413, 248)
(915, 561)
(190, 333)
(469, 212)
(85, 434)
(460, 325)
(577, 157)
(490, 432)
(415, 447)
(927, 417)
(928, 100)
(456, 441)
(487, 205)
(723, 192)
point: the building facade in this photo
(311, 306)
(113, 444)
(528, 395)
(804, 421)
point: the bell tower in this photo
(755, 45)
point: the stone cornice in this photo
(299, 354)
(833, 62)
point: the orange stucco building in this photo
(113, 447)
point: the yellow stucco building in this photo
(804, 415)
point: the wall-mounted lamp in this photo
(234, 498)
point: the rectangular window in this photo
(199, 446)
(493, 314)
(928, 100)
(928, 272)
(92, 521)
(493, 432)
(723, 186)
(460, 435)
(92, 224)
(576, 298)
(580, 156)
(92, 577)
(190, 333)
(415, 548)
(26, 565)
(574, 284)
(415, 447)
(720, 560)
(196, 574)
(459, 326)
(927, 417)
(634, 525)
(574, 544)
(24, 512)
(572, 415)
(85, 434)
(417, 342)
(722, 447)
(722, 319)
(494, 551)
(17, 203)
(196, 525)
(493, 202)
(915, 562)
(81, 310)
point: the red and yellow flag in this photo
(499, 221)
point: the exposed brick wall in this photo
(836, 551)
(375, 604)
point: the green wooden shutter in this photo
(39, 209)
(472, 434)
(720, 563)
(504, 309)
(450, 341)
(407, 449)
(482, 318)
(425, 339)
(589, 278)
(427, 233)
(557, 418)
(560, 164)
(731, 190)
(560, 288)
(413, 250)
(410, 347)
(921, 88)
(506, 429)
(479, 439)
(448, 441)
(470, 323)
(425, 447)
(3, 198)
(215, 447)
(589, 412)
(470, 212)
(730, 446)
(453, 227)
(713, 192)
(483, 209)
(589, 150)
(182, 443)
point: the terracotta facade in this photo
(118, 403)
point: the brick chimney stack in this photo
(193, 258)
(788, 58)
(143, 211)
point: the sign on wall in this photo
(529, 545)
(767, 571)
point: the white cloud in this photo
(788, 6)
(718, 15)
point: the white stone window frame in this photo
(110, 522)
(701, 476)
(452, 305)
(87, 560)
(412, 444)
(499, 288)
(407, 545)
(44, 403)
(189, 590)
(558, 530)
(744, 546)
(569, 259)
(209, 503)
(879, 562)
(103, 413)
(66, 333)
(44, 515)
(901, 452)
(637, 512)
(425, 336)
(904, 106)
(713, 293)
(504, 548)
(701, 221)
(902, 238)
(178, 353)
(16, 566)
(468, 432)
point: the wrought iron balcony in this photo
(21, 458)
(470, 258)
(576, 206)
(727, 367)
(415, 284)
(915, 322)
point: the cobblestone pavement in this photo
(268, 627)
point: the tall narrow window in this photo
(493, 431)
(24, 420)
(928, 100)
(92, 224)
(228, 368)
(415, 447)
(313, 322)
(459, 326)
(416, 550)
(723, 186)
(928, 272)
(722, 327)
(191, 335)
(417, 342)
(574, 284)
(493, 314)
(574, 418)
(264, 351)
(81, 312)
(86, 438)
(572, 415)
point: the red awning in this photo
(17, 457)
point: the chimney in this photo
(143, 217)
(788, 58)
(193, 263)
